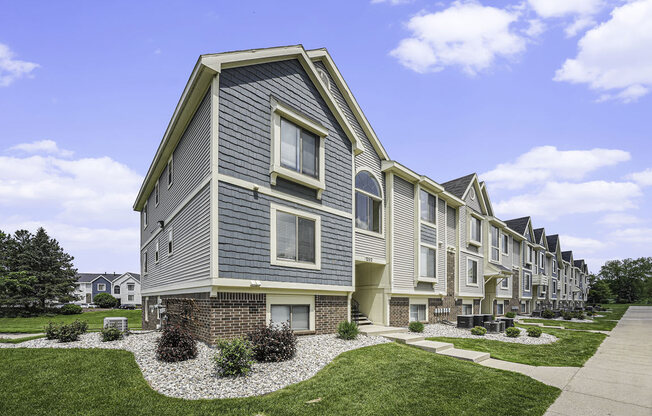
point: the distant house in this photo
(124, 287)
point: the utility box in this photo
(116, 322)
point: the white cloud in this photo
(580, 245)
(12, 69)
(614, 57)
(547, 163)
(633, 235)
(578, 25)
(466, 34)
(643, 178)
(555, 199)
(535, 28)
(615, 220)
(561, 8)
(42, 146)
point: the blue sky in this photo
(546, 99)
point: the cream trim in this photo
(261, 285)
(184, 287)
(417, 301)
(274, 208)
(383, 220)
(214, 194)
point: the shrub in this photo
(548, 314)
(578, 315)
(478, 330)
(416, 326)
(71, 309)
(67, 333)
(590, 313)
(567, 315)
(110, 334)
(534, 331)
(176, 344)
(274, 343)
(79, 326)
(105, 300)
(347, 330)
(235, 357)
(511, 315)
(52, 330)
(512, 332)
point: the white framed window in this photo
(427, 262)
(170, 242)
(472, 193)
(130, 298)
(505, 283)
(298, 151)
(542, 259)
(529, 254)
(467, 309)
(156, 251)
(527, 282)
(295, 238)
(368, 202)
(476, 230)
(554, 287)
(145, 215)
(297, 316)
(495, 242)
(145, 262)
(523, 307)
(116, 289)
(156, 194)
(171, 171)
(505, 247)
(131, 287)
(101, 287)
(428, 206)
(418, 312)
(554, 265)
(472, 272)
(500, 308)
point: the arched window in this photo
(368, 202)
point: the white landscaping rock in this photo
(197, 378)
(440, 330)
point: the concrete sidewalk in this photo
(617, 380)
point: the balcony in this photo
(540, 280)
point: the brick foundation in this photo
(329, 312)
(399, 311)
(514, 304)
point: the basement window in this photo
(297, 316)
(417, 313)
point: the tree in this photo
(599, 291)
(17, 288)
(627, 278)
(105, 300)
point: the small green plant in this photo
(590, 313)
(511, 315)
(567, 315)
(415, 326)
(512, 332)
(478, 330)
(105, 300)
(347, 330)
(274, 343)
(534, 331)
(176, 344)
(578, 315)
(52, 330)
(71, 309)
(547, 314)
(110, 334)
(235, 357)
(81, 327)
(67, 333)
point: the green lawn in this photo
(607, 322)
(95, 320)
(571, 350)
(19, 340)
(386, 379)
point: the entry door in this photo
(88, 298)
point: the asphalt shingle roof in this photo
(537, 234)
(518, 224)
(89, 277)
(566, 255)
(579, 263)
(458, 186)
(553, 240)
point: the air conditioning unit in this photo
(120, 323)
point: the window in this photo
(505, 244)
(156, 194)
(554, 287)
(554, 265)
(144, 262)
(145, 215)
(527, 282)
(418, 313)
(467, 309)
(495, 241)
(523, 307)
(505, 283)
(296, 238)
(116, 290)
(472, 272)
(171, 170)
(297, 316)
(427, 261)
(130, 287)
(542, 261)
(428, 206)
(101, 287)
(476, 229)
(542, 291)
(500, 308)
(529, 254)
(368, 203)
(130, 298)
(170, 245)
(156, 253)
(299, 149)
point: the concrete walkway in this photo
(617, 380)
(553, 376)
(11, 335)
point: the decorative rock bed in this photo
(197, 379)
(440, 330)
(588, 321)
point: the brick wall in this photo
(515, 300)
(399, 311)
(329, 312)
(476, 306)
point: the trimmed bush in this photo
(534, 331)
(105, 300)
(347, 330)
(478, 330)
(548, 314)
(52, 330)
(66, 333)
(110, 334)
(578, 315)
(415, 326)
(273, 343)
(567, 315)
(71, 309)
(176, 344)
(510, 315)
(81, 327)
(513, 332)
(235, 357)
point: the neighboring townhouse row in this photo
(271, 199)
(124, 287)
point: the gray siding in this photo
(516, 253)
(466, 289)
(369, 246)
(428, 235)
(451, 227)
(244, 127)
(404, 233)
(95, 289)
(190, 260)
(244, 241)
(474, 204)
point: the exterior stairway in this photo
(358, 317)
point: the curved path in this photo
(617, 380)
